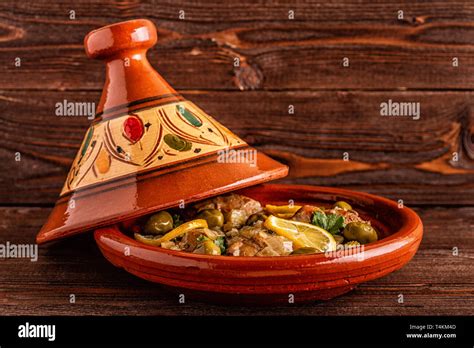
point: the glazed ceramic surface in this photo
(148, 147)
(147, 140)
(268, 280)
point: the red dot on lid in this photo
(133, 128)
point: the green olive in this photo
(159, 223)
(213, 217)
(361, 232)
(210, 248)
(256, 217)
(343, 205)
(305, 250)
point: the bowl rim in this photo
(411, 223)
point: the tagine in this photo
(176, 198)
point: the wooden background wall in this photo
(283, 62)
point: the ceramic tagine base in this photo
(276, 280)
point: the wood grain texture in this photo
(397, 157)
(275, 52)
(434, 283)
(282, 62)
(285, 61)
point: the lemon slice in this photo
(178, 231)
(282, 211)
(302, 235)
(146, 239)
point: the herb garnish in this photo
(220, 242)
(177, 220)
(332, 223)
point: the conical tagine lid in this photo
(148, 148)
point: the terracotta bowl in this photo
(271, 280)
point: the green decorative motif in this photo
(177, 143)
(87, 142)
(189, 116)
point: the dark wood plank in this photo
(201, 14)
(397, 157)
(435, 282)
(275, 52)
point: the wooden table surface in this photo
(427, 163)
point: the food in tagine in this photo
(236, 225)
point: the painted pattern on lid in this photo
(146, 140)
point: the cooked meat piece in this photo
(192, 239)
(305, 213)
(236, 208)
(234, 248)
(280, 245)
(248, 249)
(260, 238)
(257, 233)
(348, 215)
(232, 233)
(170, 245)
(250, 231)
(242, 248)
(257, 240)
(229, 202)
(235, 218)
